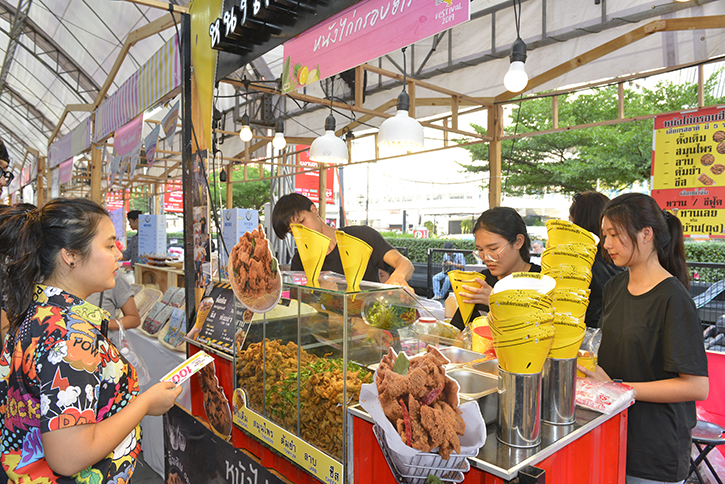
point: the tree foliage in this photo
(249, 194)
(607, 156)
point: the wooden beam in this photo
(669, 25)
(427, 85)
(343, 106)
(160, 5)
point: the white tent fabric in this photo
(68, 47)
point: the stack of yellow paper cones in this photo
(568, 260)
(312, 246)
(354, 254)
(520, 319)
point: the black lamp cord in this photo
(517, 18)
(405, 69)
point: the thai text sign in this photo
(688, 169)
(365, 31)
(308, 183)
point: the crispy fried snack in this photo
(253, 269)
(422, 405)
(321, 390)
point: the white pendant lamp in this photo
(401, 132)
(278, 141)
(328, 148)
(246, 132)
(516, 78)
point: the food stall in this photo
(269, 366)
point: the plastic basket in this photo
(416, 469)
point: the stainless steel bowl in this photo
(480, 387)
(459, 355)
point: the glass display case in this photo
(301, 365)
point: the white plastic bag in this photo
(131, 356)
(606, 397)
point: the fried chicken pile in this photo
(321, 390)
(253, 269)
(423, 405)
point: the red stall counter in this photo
(593, 449)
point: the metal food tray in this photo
(451, 470)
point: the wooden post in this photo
(454, 112)
(359, 76)
(230, 186)
(41, 181)
(411, 93)
(322, 188)
(620, 100)
(555, 107)
(96, 171)
(495, 130)
(700, 86)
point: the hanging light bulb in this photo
(278, 141)
(223, 175)
(246, 132)
(328, 148)
(401, 132)
(516, 78)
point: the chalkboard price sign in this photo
(218, 329)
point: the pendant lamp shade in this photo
(401, 131)
(328, 148)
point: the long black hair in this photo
(506, 222)
(632, 212)
(30, 242)
(586, 208)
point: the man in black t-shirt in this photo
(296, 208)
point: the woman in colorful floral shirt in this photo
(70, 406)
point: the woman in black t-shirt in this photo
(651, 337)
(504, 245)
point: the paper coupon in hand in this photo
(185, 370)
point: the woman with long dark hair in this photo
(70, 406)
(586, 211)
(651, 337)
(504, 245)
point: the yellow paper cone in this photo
(312, 246)
(458, 280)
(354, 254)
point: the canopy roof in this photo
(56, 53)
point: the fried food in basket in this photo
(253, 271)
(321, 390)
(422, 404)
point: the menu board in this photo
(688, 169)
(218, 328)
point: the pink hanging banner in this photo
(365, 31)
(128, 137)
(174, 196)
(65, 171)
